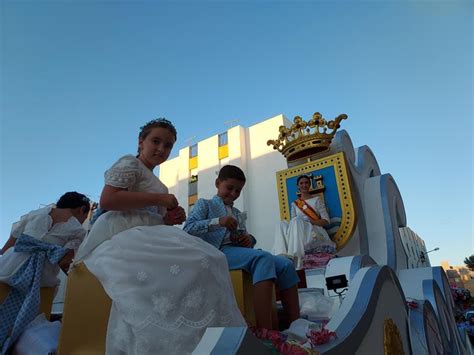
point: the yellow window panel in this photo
(193, 163)
(223, 151)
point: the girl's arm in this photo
(117, 199)
(10, 242)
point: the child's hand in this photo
(175, 216)
(66, 260)
(229, 222)
(244, 240)
(168, 200)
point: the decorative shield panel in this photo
(330, 180)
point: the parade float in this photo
(381, 305)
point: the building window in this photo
(223, 139)
(192, 199)
(193, 157)
(223, 146)
(193, 185)
(193, 151)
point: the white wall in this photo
(236, 137)
(414, 245)
(261, 189)
(208, 165)
(169, 174)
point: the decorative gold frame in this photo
(348, 217)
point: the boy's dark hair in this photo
(231, 172)
(73, 199)
(302, 177)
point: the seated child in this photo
(41, 243)
(166, 286)
(216, 222)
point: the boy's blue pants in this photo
(262, 265)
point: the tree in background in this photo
(469, 261)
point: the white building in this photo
(415, 248)
(192, 174)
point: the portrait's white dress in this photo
(166, 286)
(299, 234)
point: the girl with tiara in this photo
(166, 286)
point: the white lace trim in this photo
(123, 173)
(119, 178)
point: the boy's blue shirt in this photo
(203, 212)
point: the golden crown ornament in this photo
(304, 139)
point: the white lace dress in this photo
(39, 224)
(166, 286)
(299, 235)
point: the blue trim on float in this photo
(442, 281)
(430, 289)
(429, 309)
(358, 262)
(417, 330)
(418, 324)
(361, 163)
(440, 277)
(391, 250)
(229, 341)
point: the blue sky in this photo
(79, 79)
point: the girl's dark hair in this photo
(302, 177)
(156, 123)
(231, 172)
(73, 199)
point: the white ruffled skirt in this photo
(166, 287)
(297, 236)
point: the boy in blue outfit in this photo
(217, 222)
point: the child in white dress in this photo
(41, 243)
(306, 228)
(166, 286)
(60, 225)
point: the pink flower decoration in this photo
(319, 337)
(280, 343)
(412, 304)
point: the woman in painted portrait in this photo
(305, 231)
